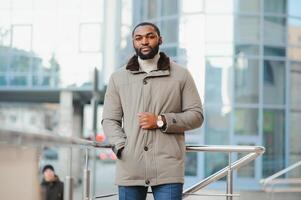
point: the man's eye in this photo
(138, 38)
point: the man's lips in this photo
(145, 49)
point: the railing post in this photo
(69, 180)
(86, 179)
(229, 179)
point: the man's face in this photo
(146, 42)
(49, 175)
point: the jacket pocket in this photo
(169, 146)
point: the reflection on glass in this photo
(152, 9)
(248, 6)
(294, 7)
(295, 83)
(215, 162)
(169, 7)
(274, 82)
(214, 32)
(245, 49)
(274, 30)
(246, 87)
(294, 31)
(246, 121)
(192, 6)
(275, 6)
(273, 141)
(274, 51)
(295, 150)
(247, 29)
(191, 166)
(170, 30)
(218, 80)
(247, 171)
(294, 53)
(217, 125)
(218, 6)
(219, 49)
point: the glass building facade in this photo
(245, 57)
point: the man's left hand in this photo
(147, 120)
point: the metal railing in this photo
(270, 183)
(20, 138)
(253, 152)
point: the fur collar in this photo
(163, 63)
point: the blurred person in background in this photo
(52, 188)
(148, 106)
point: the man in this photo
(51, 186)
(148, 106)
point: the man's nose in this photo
(145, 41)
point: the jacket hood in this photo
(163, 63)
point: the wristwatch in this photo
(160, 122)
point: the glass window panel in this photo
(215, 162)
(295, 82)
(274, 82)
(170, 51)
(247, 171)
(4, 58)
(219, 49)
(246, 121)
(218, 80)
(248, 6)
(294, 31)
(169, 7)
(295, 150)
(294, 7)
(294, 53)
(18, 81)
(246, 50)
(214, 32)
(191, 166)
(2, 80)
(152, 9)
(274, 51)
(275, 6)
(273, 141)
(90, 37)
(20, 63)
(217, 125)
(21, 37)
(274, 30)
(246, 87)
(218, 6)
(192, 6)
(169, 30)
(247, 29)
(295, 66)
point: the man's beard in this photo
(150, 55)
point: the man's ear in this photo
(160, 41)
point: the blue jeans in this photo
(171, 191)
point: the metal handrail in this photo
(18, 137)
(254, 151)
(274, 180)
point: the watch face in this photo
(160, 123)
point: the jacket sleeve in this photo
(112, 118)
(191, 116)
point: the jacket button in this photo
(147, 182)
(145, 148)
(144, 82)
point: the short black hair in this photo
(147, 24)
(47, 167)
